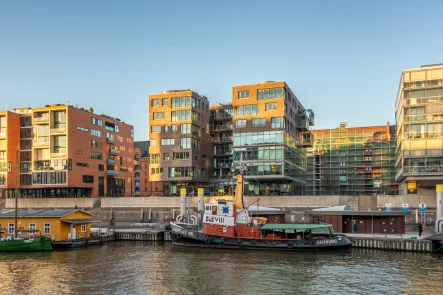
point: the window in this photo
(174, 128)
(155, 158)
(264, 94)
(156, 171)
(82, 129)
(185, 128)
(156, 129)
(183, 116)
(153, 142)
(240, 123)
(155, 102)
(166, 156)
(243, 94)
(196, 156)
(166, 128)
(251, 138)
(271, 106)
(169, 141)
(79, 152)
(32, 226)
(185, 143)
(96, 121)
(101, 167)
(175, 172)
(97, 156)
(195, 144)
(180, 156)
(158, 115)
(47, 228)
(11, 228)
(88, 179)
(97, 133)
(258, 122)
(96, 144)
(246, 110)
(181, 102)
(277, 122)
(82, 164)
(165, 101)
(83, 229)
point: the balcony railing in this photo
(110, 161)
(110, 140)
(221, 128)
(137, 176)
(58, 155)
(112, 172)
(114, 151)
(41, 119)
(41, 142)
(136, 168)
(61, 128)
(223, 140)
(423, 169)
(2, 134)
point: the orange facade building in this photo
(65, 151)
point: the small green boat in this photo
(39, 243)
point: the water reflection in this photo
(155, 268)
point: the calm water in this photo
(145, 268)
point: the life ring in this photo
(179, 236)
(207, 240)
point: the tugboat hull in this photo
(190, 238)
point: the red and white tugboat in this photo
(227, 225)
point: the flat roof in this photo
(296, 226)
(8, 213)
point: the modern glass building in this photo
(352, 161)
(270, 129)
(419, 120)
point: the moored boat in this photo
(18, 244)
(227, 224)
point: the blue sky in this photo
(343, 59)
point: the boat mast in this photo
(16, 193)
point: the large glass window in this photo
(155, 102)
(181, 102)
(183, 115)
(258, 122)
(246, 110)
(249, 138)
(168, 141)
(277, 122)
(271, 106)
(264, 94)
(156, 129)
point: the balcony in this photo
(60, 129)
(2, 135)
(114, 151)
(42, 119)
(223, 140)
(137, 168)
(110, 140)
(41, 142)
(220, 128)
(137, 176)
(110, 161)
(112, 172)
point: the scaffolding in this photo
(352, 161)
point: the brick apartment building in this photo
(180, 149)
(65, 151)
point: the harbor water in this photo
(161, 268)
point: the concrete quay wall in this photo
(52, 203)
(364, 202)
